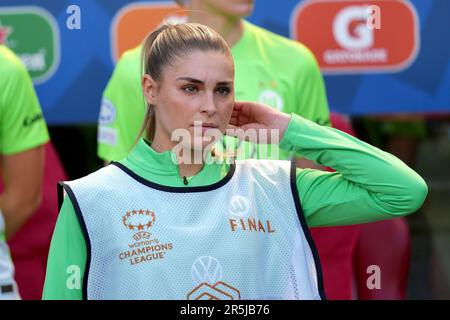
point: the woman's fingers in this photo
(238, 117)
(242, 107)
(234, 121)
(235, 113)
(237, 105)
(242, 111)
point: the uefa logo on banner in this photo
(351, 36)
(135, 21)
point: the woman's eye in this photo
(223, 91)
(190, 89)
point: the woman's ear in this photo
(149, 89)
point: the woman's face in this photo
(196, 88)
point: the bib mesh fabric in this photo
(236, 240)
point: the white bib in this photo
(243, 237)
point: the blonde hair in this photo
(168, 43)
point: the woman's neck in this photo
(230, 28)
(189, 162)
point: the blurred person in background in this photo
(23, 133)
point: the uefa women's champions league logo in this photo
(140, 221)
(146, 248)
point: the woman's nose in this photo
(208, 106)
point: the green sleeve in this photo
(310, 89)
(22, 126)
(123, 109)
(67, 258)
(368, 185)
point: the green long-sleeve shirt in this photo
(368, 185)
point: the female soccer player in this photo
(270, 69)
(156, 226)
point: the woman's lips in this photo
(205, 126)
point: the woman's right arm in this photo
(368, 185)
(67, 257)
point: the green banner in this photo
(33, 34)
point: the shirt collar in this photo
(143, 158)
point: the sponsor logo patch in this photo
(107, 135)
(107, 113)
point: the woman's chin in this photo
(198, 144)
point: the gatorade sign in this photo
(351, 36)
(33, 34)
(135, 21)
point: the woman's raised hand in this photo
(257, 123)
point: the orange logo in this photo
(139, 220)
(133, 23)
(352, 36)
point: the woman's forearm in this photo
(22, 175)
(368, 185)
(16, 210)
